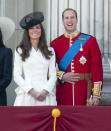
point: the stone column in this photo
(109, 24)
(99, 22)
(92, 15)
(48, 21)
(106, 42)
(62, 5)
(54, 19)
(2, 7)
(85, 13)
(78, 8)
(73, 4)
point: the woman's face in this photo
(35, 32)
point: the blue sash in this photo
(72, 52)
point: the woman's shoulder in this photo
(18, 50)
(50, 48)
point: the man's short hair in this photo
(69, 9)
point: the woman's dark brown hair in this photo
(26, 46)
(1, 39)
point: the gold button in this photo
(73, 71)
(72, 67)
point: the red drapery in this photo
(77, 118)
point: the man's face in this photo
(69, 21)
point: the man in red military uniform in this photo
(80, 64)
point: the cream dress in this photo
(33, 74)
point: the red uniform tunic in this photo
(68, 94)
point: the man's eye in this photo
(72, 17)
(66, 17)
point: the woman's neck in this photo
(35, 43)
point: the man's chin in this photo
(69, 31)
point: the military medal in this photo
(81, 48)
(82, 60)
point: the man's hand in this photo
(70, 77)
(95, 101)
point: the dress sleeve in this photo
(52, 74)
(7, 69)
(18, 73)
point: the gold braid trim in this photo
(97, 89)
(60, 74)
(72, 35)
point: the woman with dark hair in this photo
(34, 65)
(7, 28)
